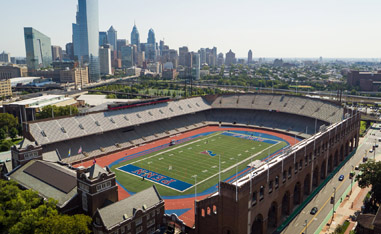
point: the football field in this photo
(176, 169)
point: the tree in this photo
(7, 122)
(371, 176)
(23, 211)
(13, 133)
(55, 111)
(3, 134)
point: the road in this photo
(322, 199)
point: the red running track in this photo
(183, 203)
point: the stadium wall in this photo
(260, 203)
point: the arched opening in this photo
(297, 193)
(352, 146)
(257, 226)
(286, 203)
(272, 218)
(342, 153)
(336, 159)
(322, 170)
(208, 211)
(307, 182)
(330, 166)
(315, 178)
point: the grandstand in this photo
(101, 133)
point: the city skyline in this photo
(292, 28)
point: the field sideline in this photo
(198, 157)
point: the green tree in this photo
(23, 211)
(370, 175)
(3, 134)
(13, 133)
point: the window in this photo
(296, 167)
(150, 222)
(84, 187)
(276, 181)
(197, 105)
(125, 117)
(63, 130)
(112, 120)
(284, 176)
(152, 214)
(103, 186)
(271, 186)
(43, 133)
(97, 123)
(170, 109)
(161, 111)
(261, 192)
(84, 201)
(180, 108)
(189, 106)
(138, 221)
(139, 229)
(81, 126)
(150, 113)
(138, 115)
(289, 172)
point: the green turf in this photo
(187, 161)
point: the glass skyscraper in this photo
(86, 37)
(135, 38)
(112, 36)
(151, 37)
(38, 49)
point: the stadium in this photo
(248, 160)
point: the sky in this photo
(271, 28)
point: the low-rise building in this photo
(11, 71)
(5, 88)
(78, 76)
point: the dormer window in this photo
(43, 133)
(112, 120)
(125, 117)
(63, 130)
(97, 123)
(81, 126)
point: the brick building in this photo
(367, 81)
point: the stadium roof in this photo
(113, 214)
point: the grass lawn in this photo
(183, 161)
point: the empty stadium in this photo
(312, 132)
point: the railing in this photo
(312, 195)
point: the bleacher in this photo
(105, 132)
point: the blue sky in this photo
(271, 28)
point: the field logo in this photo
(208, 152)
(155, 177)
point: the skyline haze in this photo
(274, 28)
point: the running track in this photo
(183, 206)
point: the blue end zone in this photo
(249, 137)
(156, 177)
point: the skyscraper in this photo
(196, 66)
(38, 49)
(151, 37)
(135, 38)
(56, 53)
(250, 57)
(5, 57)
(230, 58)
(105, 60)
(70, 50)
(112, 36)
(182, 54)
(103, 40)
(127, 56)
(86, 36)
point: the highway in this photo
(322, 199)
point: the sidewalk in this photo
(348, 206)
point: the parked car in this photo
(314, 210)
(356, 167)
(341, 177)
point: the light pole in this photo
(305, 224)
(352, 175)
(333, 204)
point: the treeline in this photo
(56, 111)
(23, 211)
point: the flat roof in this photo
(42, 100)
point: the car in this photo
(371, 151)
(314, 210)
(341, 177)
(376, 145)
(356, 167)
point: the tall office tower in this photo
(135, 38)
(5, 57)
(189, 59)
(151, 37)
(214, 52)
(202, 53)
(182, 54)
(127, 56)
(57, 53)
(103, 39)
(196, 66)
(86, 37)
(250, 57)
(70, 50)
(112, 36)
(38, 49)
(119, 44)
(230, 58)
(211, 60)
(174, 58)
(150, 51)
(105, 59)
(220, 59)
(161, 46)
